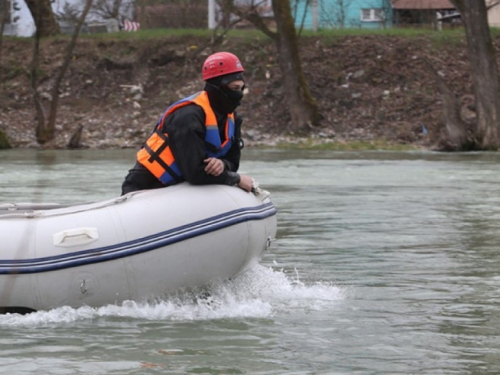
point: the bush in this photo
(4, 142)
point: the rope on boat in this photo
(44, 212)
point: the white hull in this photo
(135, 247)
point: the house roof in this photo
(422, 4)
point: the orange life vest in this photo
(156, 154)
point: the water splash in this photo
(259, 293)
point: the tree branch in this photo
(492, 4)
(251, 15)
(67, 60)
(40, 115)
(2, 28)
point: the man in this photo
(197, 139)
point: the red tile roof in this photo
(422, 4)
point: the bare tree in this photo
(455, 134)
(295, 10)
(43, 15)
(486, 82)
(301, 104)
(4, 14)
(112, 9)
(143, 18)
(224, 24)
(107, 9)
(45, 129)
(492, 4)
(4, 143)
(69, 15)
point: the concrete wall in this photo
(493, 14)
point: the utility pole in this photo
(315, 22)
(211, 15)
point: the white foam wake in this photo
(259, 293)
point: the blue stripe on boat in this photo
(137, 246)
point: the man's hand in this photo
(246, 182)
(214, 166)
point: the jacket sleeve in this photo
(186, 131)
(232, 158)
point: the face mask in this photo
(222, 99)
(234, 95)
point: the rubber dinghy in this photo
(135, 247)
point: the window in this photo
(372, 15)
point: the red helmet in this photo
(220, 64)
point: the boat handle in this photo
(75, 237)
(269, 241)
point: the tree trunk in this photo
(75, 141)
(484, 71)
(302, 106)
(4, 18)
(46, 131)
(4, 142)
(455, 135)
(143, 17)
(40, 114)
(43, 16)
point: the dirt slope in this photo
(367, 87)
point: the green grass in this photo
(327, 35)
(438, 39)
(252, 34)
(244, 35)
(256, 34)
(149, 34)
(495, 32)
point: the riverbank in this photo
(373, 90)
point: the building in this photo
(20, 22)
(418, 13)
(372, 14)
(339, 14)
(493, 13)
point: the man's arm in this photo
(186, 130)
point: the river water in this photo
(384, 263)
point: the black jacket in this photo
(186, 131)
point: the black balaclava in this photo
(223, 99)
